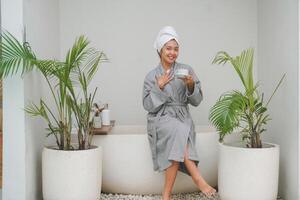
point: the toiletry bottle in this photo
(105, 114)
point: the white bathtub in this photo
(127, 164)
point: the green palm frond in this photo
(92, 65)
(53, 131)
(277, 86)
(78, 53)
(227, 111)
(49, 68)
(15, 57)
(222, 58)
(243, 65)
(35, 110)
(83, 60)
(259, 108)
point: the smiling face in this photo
(169, 52)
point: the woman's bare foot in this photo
(206, 189)
(166, 196)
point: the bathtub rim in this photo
(142, 129)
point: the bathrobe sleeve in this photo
(153, 96)
(197, 96)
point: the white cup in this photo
(181, 73)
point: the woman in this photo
(170, 127)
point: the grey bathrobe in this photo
(169, 124)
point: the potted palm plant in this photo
(70, 170)
(247, 169)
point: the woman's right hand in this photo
(164, 79)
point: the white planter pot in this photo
(72, 175)
(248, 173)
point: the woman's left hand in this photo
(189, 81)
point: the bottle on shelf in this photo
(105, 115)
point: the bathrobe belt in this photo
(175, 104)
(178, 109)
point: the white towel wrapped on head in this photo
(166, 34)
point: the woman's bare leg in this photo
(196, 176)
(170, 176)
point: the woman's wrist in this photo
(190, 88)
(161, 86)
